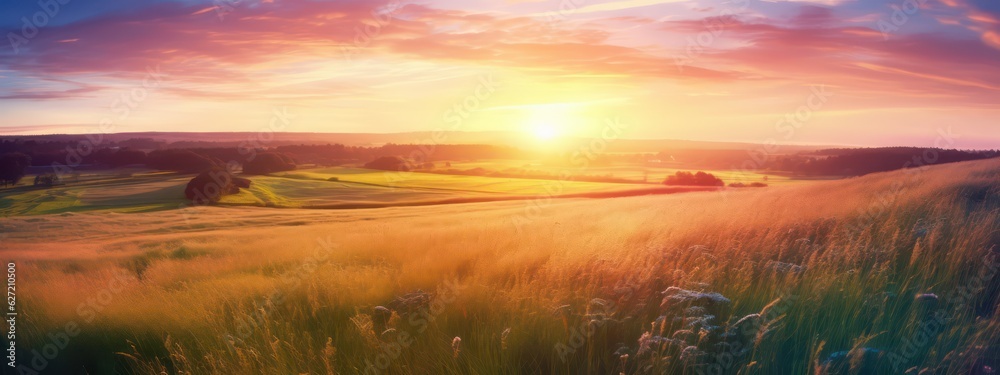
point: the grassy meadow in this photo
(873, 275)
(341, 187)
(632, 172)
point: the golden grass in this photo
(292, 291)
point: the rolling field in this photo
(880, 274)
(629, 172)
(112, 191)
(467, 184)
(154, 191)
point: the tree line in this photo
(857, 162)
(135, 151)
(17, 155)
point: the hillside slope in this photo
(878, 274)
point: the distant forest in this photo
(857, 162)
(195, 159)
(199, 156)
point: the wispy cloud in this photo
(564, 105)
(292, 51)
(624, 4)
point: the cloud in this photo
(203, 54)
(624, 4)
(822, 2)
(858, 60)
(48, 95)
(811, 15)
(983, 17)
(258, 46)
(932, 77)
(46, 129)
(992, 38)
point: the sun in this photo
(546, 132)
(546, 124)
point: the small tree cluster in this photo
(210, 186)
(389, 163)
(693, 179)
(48, 180)
(12, 167)
(269, 162)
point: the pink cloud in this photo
(198, 49)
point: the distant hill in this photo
(224, 139)
(862, 161)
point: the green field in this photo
(109, 190)
(145, 191)
(467, 184)
(652, 174)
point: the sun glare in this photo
(547, 124)
(545, 132)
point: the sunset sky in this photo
(890, 73)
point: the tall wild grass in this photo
(877, 274)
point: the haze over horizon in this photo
(502, 138)
(799, 72)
